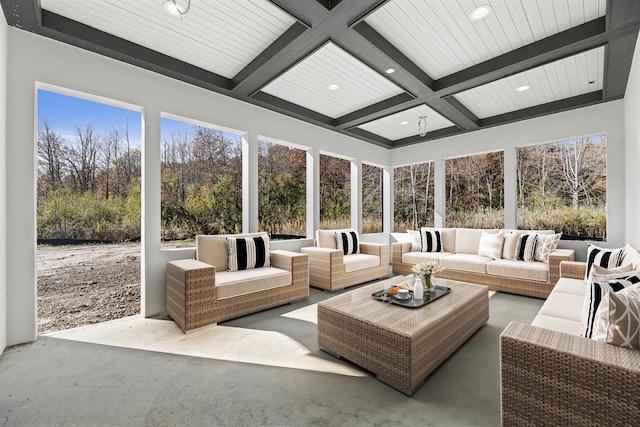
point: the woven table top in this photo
(359, 304)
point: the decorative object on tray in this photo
(426, 270)
(395, 296)
(418, 287)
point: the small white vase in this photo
(418, 287)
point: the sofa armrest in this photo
(294, 262)
(573, 269)
(555, 258)
(378, 249)
(190, 291)
(553, 378)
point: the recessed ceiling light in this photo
(523, 88)
(390, 70)
(404, 123)
(333, 87)
(480, 12)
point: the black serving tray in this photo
(410, 302)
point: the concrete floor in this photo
(262, 369)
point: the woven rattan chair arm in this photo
(555, 258)
(372, 248)
(553, 378)
(573, 269)
(285, 259)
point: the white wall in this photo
(33, 61)
(632, 151)
(602, 118)
(3, 185)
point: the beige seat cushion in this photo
(468, 240)
(416, 257)
(571, 286)
(556, 324)
(520, 269)
(563, 306)
(231, 284)
(355, 262)
(466, 262)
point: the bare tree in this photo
(82, 157)
(50, 153)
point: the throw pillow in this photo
(414, 237)
(546, 244)
(607, 258)
(510, 245)
(526, 250)
(601, 274)
(249, 252)
(631, 256)
(618, 318)
(594, 296)
(430, 240)
(347, 242)
(491, 245)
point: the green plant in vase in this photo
(426, 270)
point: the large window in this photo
(335, 192)
(413, 196)
(201, 181)
(562, 186)
(371, 199)
(475, 191)
(282, 190)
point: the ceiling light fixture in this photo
(422, 125)
(333, 87)
(390, 70)
(404, 123)
(175, 9)
(480, 12)
(523, 88)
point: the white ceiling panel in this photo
(439, 37)
(218, 35)
(405, 123)
(307, 83)
(568, 77)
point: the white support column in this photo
(250, 183)
(510, 188)
(151, 295)
(439, 193)
(313, 192)
(356, 194)
(387, 199)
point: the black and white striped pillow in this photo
(249, 252)
(594, 295)
(430, 240)
(347, 242)
(606, 258)
(526, 250)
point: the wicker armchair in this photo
(553, 378)
(330, 269)
(195, 298)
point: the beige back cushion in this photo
(468, 240)
(327, 238)
(212, 249)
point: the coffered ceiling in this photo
(327, 62)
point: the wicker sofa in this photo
(330, 269)
(460, 257)
(550, 375)
(201, 291)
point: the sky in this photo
(64, 112)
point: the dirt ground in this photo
(84, 284)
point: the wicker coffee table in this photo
(401, 345)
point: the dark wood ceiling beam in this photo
(544, 109)
(291, 109)
(22, 14)
(570, 42)
(369, 137)
(361, 116)
(325, 25)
